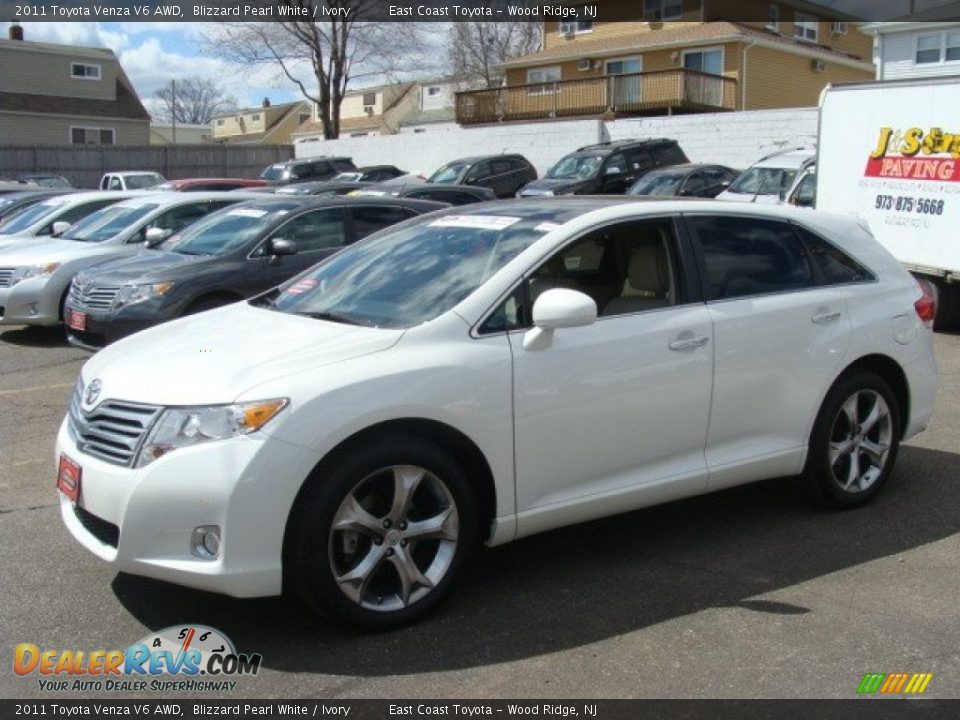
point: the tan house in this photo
(268, 124)
(377, 110)
(678, 56)
(65, 94)
(179, 134)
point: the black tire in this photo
(820, 476)
(309, 554)
(947, 297)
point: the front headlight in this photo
(29, 271)
(187, 426)
(131, 294)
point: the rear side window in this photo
(317, 230)
(837, 266)
(370, 219)
(344, 165)
(669, 155)
(744, 256)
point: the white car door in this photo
(781, 334)
(614, 415)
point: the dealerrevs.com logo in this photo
(185, 658)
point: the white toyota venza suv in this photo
(482, 374)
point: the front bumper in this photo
(103, 327)
(140, 520)
(34, 301)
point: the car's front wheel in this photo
(854, 442)
(378, 537)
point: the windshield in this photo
(659, 184)
(223, 232)
(139, 182)
(169, 185)
(583, 167)
(407, 276)
(766, 180)
(24, 219)
(448, 173)
(273, 173)
(108, 222)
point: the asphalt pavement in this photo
(748, 593)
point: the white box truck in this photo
(889, 152)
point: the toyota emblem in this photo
(93, 392)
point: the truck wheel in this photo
(948, 305)
(379, 536)
(854, 442)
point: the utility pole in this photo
(173, 103)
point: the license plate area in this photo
(77, 320)
(69, 476)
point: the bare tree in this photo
(333, 52)
(193, 100)
(477, 48)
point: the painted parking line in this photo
(37, 388)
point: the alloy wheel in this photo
(393, 537)
(860, 441)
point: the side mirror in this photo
(154, 236)
(281, 246)
(60, 227)
(802, 199)
(556, 309)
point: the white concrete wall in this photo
(541, 143)
(734, 139)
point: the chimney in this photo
(266, 102)
(16, 31)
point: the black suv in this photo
(504, 174)
(306, 170)
(605, 168)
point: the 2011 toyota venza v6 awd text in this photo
(481, 374)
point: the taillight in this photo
(926, 304)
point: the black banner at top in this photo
(457, 10)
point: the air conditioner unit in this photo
(584, 65)
(567, 28)
(818, 65)
(839, 28)
(368, 109)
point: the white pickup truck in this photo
(131, 180)
(889, 152)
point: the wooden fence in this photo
(83, 165)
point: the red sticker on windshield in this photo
(302, 286)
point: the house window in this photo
(433, 91)
(369, 98)
(773, 18)
(705, 61)
(255, 117)
(536, 76)
(805, 27)
(84, 71)
(953, 47)
(585, 26)
(92, 136)
(219, 122)
(656, 10)
(928, 49)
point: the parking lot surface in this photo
(751, 592)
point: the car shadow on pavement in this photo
(35, 336)
(582, 584)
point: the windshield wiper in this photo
(331, 317)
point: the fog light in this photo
(205, 542)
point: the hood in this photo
(30, 251)
(144, 267)
(566, 185)
(215, 356)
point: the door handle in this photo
(688, 343)
(824, 318)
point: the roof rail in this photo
(784, 151)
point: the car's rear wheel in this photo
(854, 442)
(379, 537)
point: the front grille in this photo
(98, 297)
(6, 275)
(105, 532)
(113, 430)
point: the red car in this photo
(208, 184)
